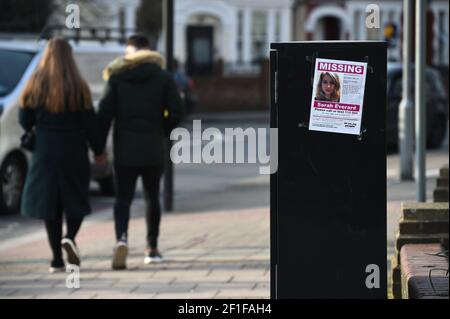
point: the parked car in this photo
(436, 104)
(17, 63)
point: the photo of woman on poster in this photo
(328, 87)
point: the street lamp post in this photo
(421, 27)
(405, 125)
(168, 13)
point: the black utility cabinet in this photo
(328, 197)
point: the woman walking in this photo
(56, 105)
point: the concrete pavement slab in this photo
(202, 258)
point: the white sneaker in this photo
(72, 252)
(120, 253)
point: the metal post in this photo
(168, 173)
(421, 27)
(406, 115)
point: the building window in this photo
(277, 27)
(240, 35)
(392, 17)
(259, 36)
(122, 18)
(357, 26)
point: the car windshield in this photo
(12, 66)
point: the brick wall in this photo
(219, 93)
(421, 224)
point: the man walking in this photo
(143, 101)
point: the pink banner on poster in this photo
(336, 106)
(341, 67)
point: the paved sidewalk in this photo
(221, 254)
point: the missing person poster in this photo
(337, 97)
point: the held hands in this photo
(101, 159)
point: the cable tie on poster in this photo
(369, 67)
(360, 136)
(303, 124)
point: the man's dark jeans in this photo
(126, 178)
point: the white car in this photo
(17, 63)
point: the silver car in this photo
(17, 63)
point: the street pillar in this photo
(406, 110)
(168, 12)
(420, 114)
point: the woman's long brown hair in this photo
(57, 84)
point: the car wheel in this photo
(12, 175)
(107, 186)
(437, 132)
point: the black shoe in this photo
(73, 255)
(153, 258)
(57, 266)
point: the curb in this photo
(230, 117)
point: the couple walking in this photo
(140, 98)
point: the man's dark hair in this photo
(139, 41)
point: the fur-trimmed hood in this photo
(123, 64)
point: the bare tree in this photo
(149, 19)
